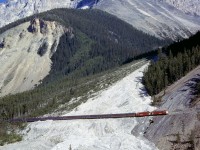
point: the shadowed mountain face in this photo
(87, 3)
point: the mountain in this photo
(161, 18)
(13, 10)
(63, 57)
(189, 6)
(178, 59)
(154, 17)
(58, 48)
(72, 62)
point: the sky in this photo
(1, 1)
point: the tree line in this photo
(172, 63)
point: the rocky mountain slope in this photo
(162, 18)
(154, 17)
(25, 53)
(187, 6)
(180, 129)
(13, 10)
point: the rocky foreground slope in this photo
(180, 129)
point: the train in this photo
(99, 116)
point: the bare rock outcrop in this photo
(38, 25)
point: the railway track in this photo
(100, 116)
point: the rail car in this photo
(99, 116)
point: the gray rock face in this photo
(155, 17)
(172, 19)
(179, 129)
(187, 6)
(17, 9)
(40, 26)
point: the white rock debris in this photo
(126, 95)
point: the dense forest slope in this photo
(175, 62)
(101, 42)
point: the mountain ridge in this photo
(155, 17)
(169, 22)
